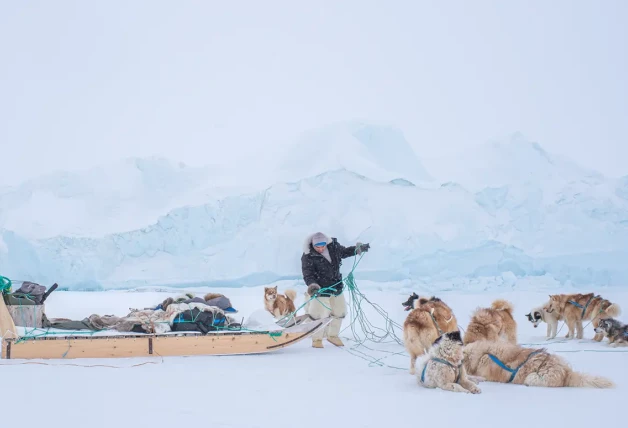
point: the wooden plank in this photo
(83, 347)
(228, 344)
(236, 343)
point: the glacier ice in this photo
(544, 217)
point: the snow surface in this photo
(509, 209)
(302, 386)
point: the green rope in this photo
(5, 285)
(362, 329)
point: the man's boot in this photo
(317, 343)
(335, 340)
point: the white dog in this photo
(442, 366)
(536, 315)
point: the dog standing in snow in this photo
(279, 305)
(540, 314)
(494, 323)
(427, 320)
(576, 308)
(443, 368)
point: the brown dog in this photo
(279, 305)
(429, 319)
(492, 323)
(510, 363)
(575, 308)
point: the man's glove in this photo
(362, 248)
(313, 288)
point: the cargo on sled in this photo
(192, 329)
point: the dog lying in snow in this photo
(510, 363)
(540, 314)
(429, 319)
(616, 331)
(494, 323)
(576, 308)
(442, 367)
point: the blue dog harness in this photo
(447, 363)
(508, 369)
(584, 308)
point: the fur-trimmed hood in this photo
(307, 243)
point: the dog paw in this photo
(475, 390)
(459, 388)
(412, 372)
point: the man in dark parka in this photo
(320, 265)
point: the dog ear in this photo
(415, 295)
(437, 341)
(454, 336)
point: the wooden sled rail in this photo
(180, 344)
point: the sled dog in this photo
(442, 366)
(429, 319)
(616, 331)
(494, 323)
(511, 363)
(576, 308)
(279, 305)
(540, 314)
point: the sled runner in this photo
(224, 342)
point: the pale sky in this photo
(82, 83)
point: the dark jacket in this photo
(318, 270)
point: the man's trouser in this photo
(322, 307)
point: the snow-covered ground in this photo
(300, 386)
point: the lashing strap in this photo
(508, 369)
(584, 308)
(447, 363)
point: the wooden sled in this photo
(171, 344)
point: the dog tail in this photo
(581, 380)
(502, 305)
(613, 310)
(482, 316)
(291, 294)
